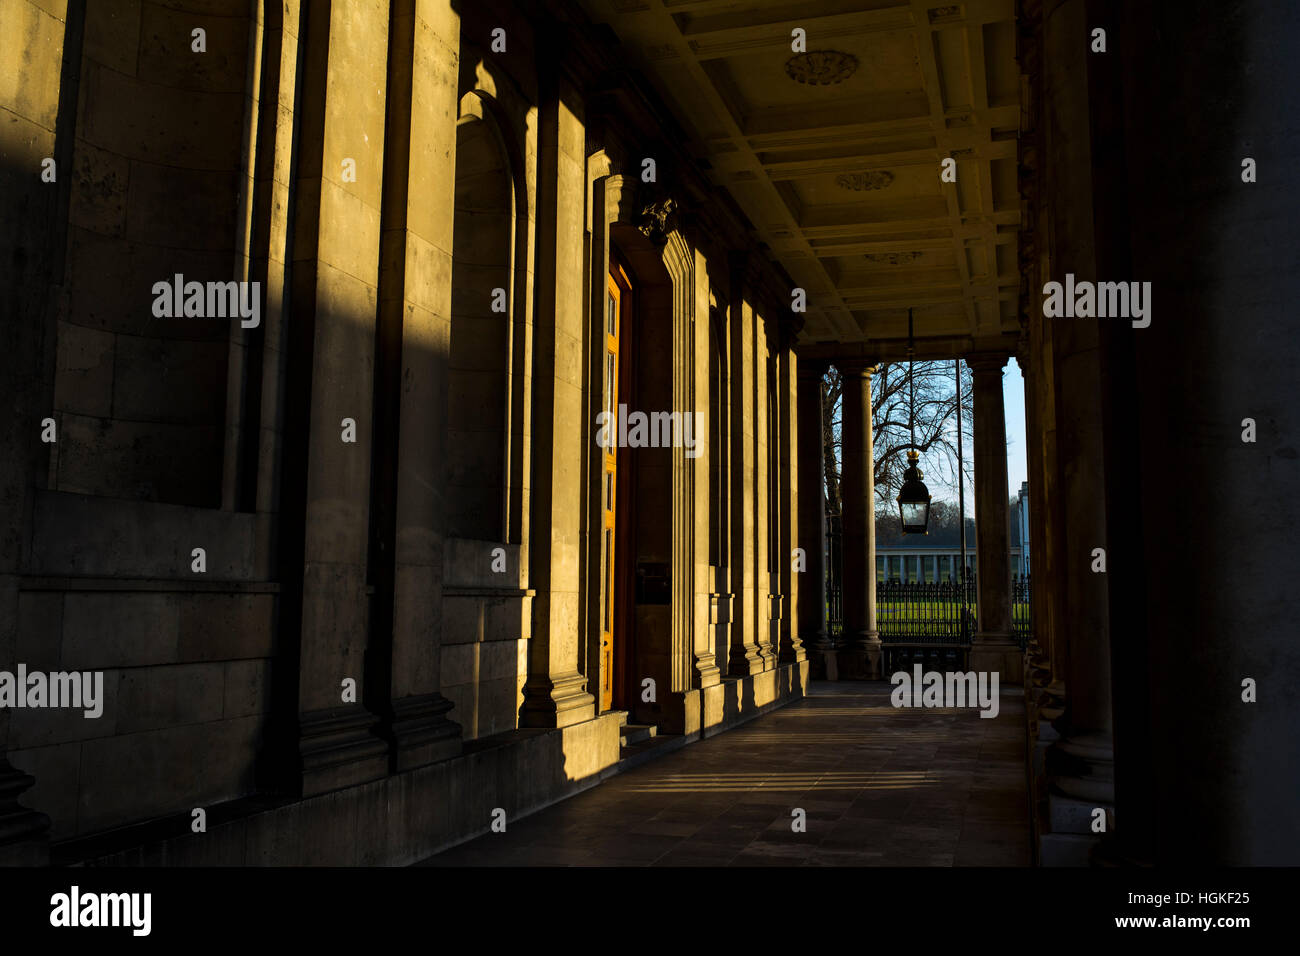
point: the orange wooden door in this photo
(613, 320)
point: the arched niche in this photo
(483, 297)
(140, 387)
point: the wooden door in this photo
(615, 305)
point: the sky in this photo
(1013, 400)
(1013, 397)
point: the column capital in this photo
(987, 361)
(810, 368)
(619, 198)
(864, 367)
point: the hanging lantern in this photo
(913, 498)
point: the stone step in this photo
(633, 755)
(1072, 815)
(635, 734)
(1065, 849)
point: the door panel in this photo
(613, 322)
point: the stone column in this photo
(860, 658)
(994, 646)
(415, 298)
(555, 694)
(812, 518)
(1222, 774)
(335, 295)
(1079, 765)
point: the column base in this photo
(422, 731)
(706, 670)
(770, 649)
(24, 833)
(1082, 766)
(339, 748)
(1000, 654)
(556, 702)
(744, 661)
(861, 660)
(823, 662)
(793, 654)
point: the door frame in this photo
(623, 596)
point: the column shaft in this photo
(860, 658)
(993, 647)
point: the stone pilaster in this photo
(812, 516)
(555, 694)
(994, 646)
(860, 658)
(767, 602)
(744, 659)
(793, 583)
(335, 298)
(704, 671)
(415, 304)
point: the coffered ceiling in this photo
(835, 155)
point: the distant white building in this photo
(1022, 514)
(937, 557)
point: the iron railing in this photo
(834, 580)
(926, 622)
(1021, 609)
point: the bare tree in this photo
(935, 421)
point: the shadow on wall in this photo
(146, 159)
(141, 399)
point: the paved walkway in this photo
(881, 787)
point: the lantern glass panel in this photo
(915, 515)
